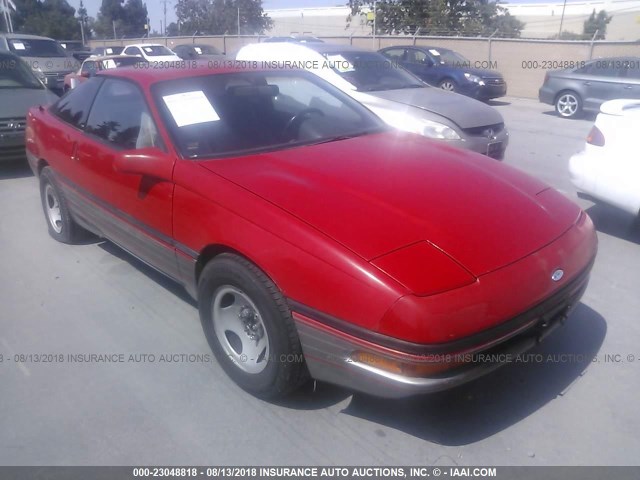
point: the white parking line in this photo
(21, 366)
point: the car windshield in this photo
(206, 50)
(156, 50)
(449, 57)
(109, 50)
(370, 71)
(29, 47)
(231, 114)
(14, 73)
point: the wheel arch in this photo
(40, 165)
(567, 90)
(211, 251)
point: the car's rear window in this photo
(29, 47)
(156, 50)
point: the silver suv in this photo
(45, 56)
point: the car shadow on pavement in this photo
(614, 221)
(498, 103)
(15, 169)
(162, 280)
(590, 116)
(490, 404)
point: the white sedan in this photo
(609, 166)
(152, 52)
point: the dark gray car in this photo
(20, 89)
(197, 52)
(44, 55)
(586, 87)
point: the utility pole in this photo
(164, 9)
(375, 5)
(238, 21)
(82, 30)
(114, 29)
(562, 20)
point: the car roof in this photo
(331, 47)
(24, 35)
(602, 59)
(97, 58)
(145, 45)
(149, 76)
(313, 46)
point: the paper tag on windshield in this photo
(190, 108)
(148, 49)
(198, 50)
(109, 50)
(18, 46)
(434, 52)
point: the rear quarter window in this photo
(73, 108)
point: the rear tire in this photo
(60, 224)
(249, 327)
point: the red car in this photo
(94, 64)
(317, 241)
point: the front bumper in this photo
(329, 352)
(493, 146)
(487, 91)
(11, 145)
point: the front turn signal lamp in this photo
(429, 366)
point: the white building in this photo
(541, 20)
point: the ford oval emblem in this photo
(557, 275)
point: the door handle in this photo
(74, 152)
(628, 87)
(587, 83)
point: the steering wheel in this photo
(290, 130)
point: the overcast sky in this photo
(155, 7)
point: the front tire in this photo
(569, 105)
(448, 85)
(249, 327)
(56, 212)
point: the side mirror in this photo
(85, 74)
(150, 162)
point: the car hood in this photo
(17, 101)
(378, 193)
(463, 111)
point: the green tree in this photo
(439, 17)
(217, 17)
(173, 30)
(135, 18)
(86, 21)
(128, 18)
(111, 12)
(596, 23)
(49, 18)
